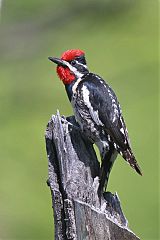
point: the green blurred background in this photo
(120, 40)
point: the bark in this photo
(79, 212)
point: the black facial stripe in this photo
(80, 67)
(81, 59)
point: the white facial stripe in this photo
(85, 66)
(74, 88)
(73, 69)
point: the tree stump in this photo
(73, 168)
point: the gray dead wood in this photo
(73, 168)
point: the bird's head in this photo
(71, 65)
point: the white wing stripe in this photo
(94, 114)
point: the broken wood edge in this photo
(64, 205)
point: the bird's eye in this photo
(73, 63)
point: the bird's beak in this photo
(57, 61)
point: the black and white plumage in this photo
(97, 111)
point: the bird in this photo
(96, 110)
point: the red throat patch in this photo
(64, 73)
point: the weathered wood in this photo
(73, 168)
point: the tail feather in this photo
(129, 157)
(107, 164)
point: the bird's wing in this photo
(105, 110)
